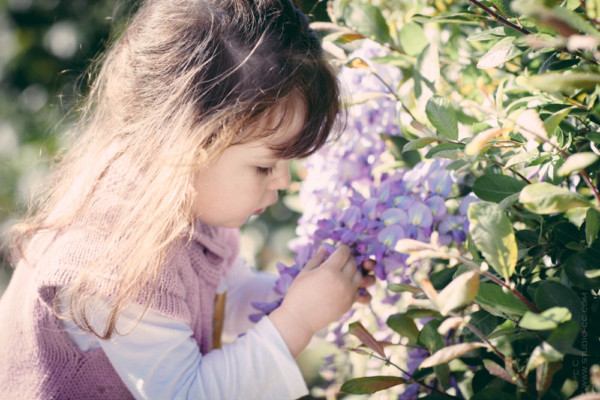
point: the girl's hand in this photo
(321, 293)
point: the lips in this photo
(258, 212)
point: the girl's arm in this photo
(157, 358)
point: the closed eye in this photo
(265, 170)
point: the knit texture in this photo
(39, 361)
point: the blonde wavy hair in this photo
(172, 92)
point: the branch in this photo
(498, 281)
(412, 378)
(499, 354)
(499, 18)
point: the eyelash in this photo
(264, 170)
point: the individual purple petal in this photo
(419, 215)
(266, 307)
(466, 202)
(380, 271)
(255, 317)
(351, 216)
(389, 235)
(348, 237)
(437, 205)
(393, 216)
(440, 183)
(368, 207)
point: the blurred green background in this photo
(45, 48)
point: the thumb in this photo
(316, 260)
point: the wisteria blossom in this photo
(351, 196)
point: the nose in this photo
(281, 178)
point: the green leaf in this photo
(494, 187)
(577, 162)
(403, 287)
(594, 137)
(397, 145)
(488, 34)
(491, 296)
(395, 59)
(450, 18)
(416, 313)
(579, 265)
(491, 394)
(430, 338)
(371, 384)
(548, 319)
(592, 225)
(576, 216)
(544, 353)
(500, 52)
(503, 6)
(368, 20)
(459, 293)
(519, 158)
(564, 82)
(433, 341)
(443, 148)
(426, 75)
(554, 294)
(442, 116)
(552, 122)
(413, 39)
(420, 143)
(493, 236)
(566, 233)
(405, 326)
(575, 20)
(544, 198)
(563, 337)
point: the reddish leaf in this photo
(358, 330)
(371, 384)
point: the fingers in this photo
(362, 296)
(316, 260)
(340, 258)
(368, 265)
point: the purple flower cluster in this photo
(355, 193)
(349, 162)
(346, 201)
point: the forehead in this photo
(279, 126)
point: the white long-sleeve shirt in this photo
(157, 357)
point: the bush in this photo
(468, 170)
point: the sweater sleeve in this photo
(159, 359)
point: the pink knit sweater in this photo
(38, 360)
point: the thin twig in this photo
(412, 378)
(510, 169)
(498, 281)
(418, 125)
(499, 18)
(498, 353)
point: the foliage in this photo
(499, 100)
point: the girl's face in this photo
(244, 180)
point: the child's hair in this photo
(174, 90)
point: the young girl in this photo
(186, 132)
